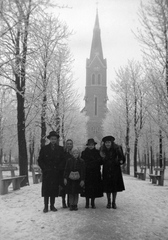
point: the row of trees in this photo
(139, 111)
(37, 92)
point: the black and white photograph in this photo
(83, 119)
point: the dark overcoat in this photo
(93, 181)
(62, 188)
(112, 175)
(72, 164)
(51, 161)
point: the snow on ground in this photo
(142, 214)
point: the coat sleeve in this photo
(66, 171)
(82, 170)
(62, 159)
(40, 160)
(121, 155)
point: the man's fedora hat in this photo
(52, 134)
(91, 141)
(108, 138)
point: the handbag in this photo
(74, 175)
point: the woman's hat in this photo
(91, 141)
(108, 138)
(52, 134)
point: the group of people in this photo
(67, 172)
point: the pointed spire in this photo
(96, 48)
(97, 20)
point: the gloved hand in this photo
(82, 183)
(65, 181)
(121, 162)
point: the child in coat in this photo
(74, 177)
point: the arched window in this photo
(93, 79)
(99, 79)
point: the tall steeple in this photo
(96, 86)
(96, 47)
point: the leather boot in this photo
(87, 203)
(53, 209)
(71, 208)
(75, 207)
(63, 202)
(114, 200)
(108, 201)
(114, 205)
(45, 210)
(52, 202)
(93, 203)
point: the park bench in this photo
(158, 176)
(142, 174)
(5, 182)
(36, 174)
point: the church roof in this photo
(96, 47)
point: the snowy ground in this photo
(142, 214)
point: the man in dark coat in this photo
(113, 157)
(50, 160)
(93, 182)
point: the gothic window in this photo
(99, 79)
(93, 79)
(95, 106)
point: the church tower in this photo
(96, 86)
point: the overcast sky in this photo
(117, 18)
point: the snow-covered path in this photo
(142, 214)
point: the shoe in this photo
(108, 206)
(64, 205)
(75, 207)
(53, 209)
(114, 205)
(93, 206)
(87, 206)
(71, 208)
(45, 210)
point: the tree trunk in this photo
(160, 149)
(1, 155)
(31, 152)
(1, 138)
(10, 157)
(58, 101)
(152, 160)
(135, 155)
(23, 161)
(43, 121)
(127, 138)
(62, 131)
(127, 152)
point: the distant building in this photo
(96, 86)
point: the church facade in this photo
(96, 86)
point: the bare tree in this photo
(123, 90)
(153, 34)
(48, 40)
(17, 18)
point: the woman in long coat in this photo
(67, 155)
(74, 186)
(93, 182)
(113, 157)
(50, 160)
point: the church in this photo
(96, 86)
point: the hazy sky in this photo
(117, 18)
